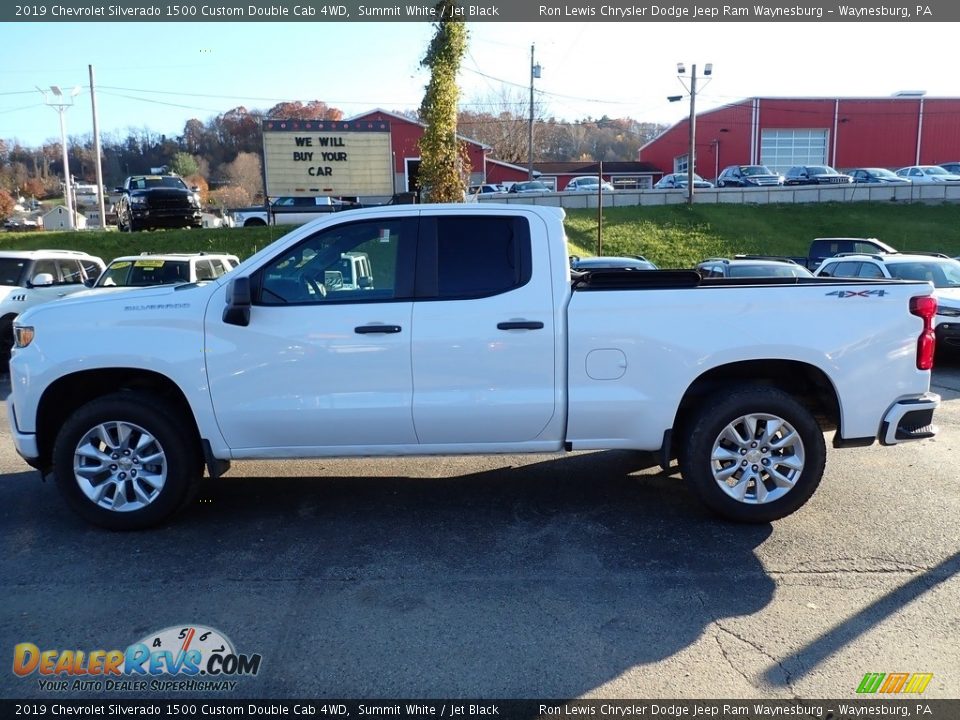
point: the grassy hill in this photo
(672, 236)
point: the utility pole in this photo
(102, 205)
(61, 103)
(534, 73)
(692, 155)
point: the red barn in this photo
(906, 129)
(405, 138)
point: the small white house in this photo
(58, 219)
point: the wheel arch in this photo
(67, 394)
(806, 383)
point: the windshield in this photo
(821, 170)
(145, 272)
(767, 271)
(11, 270)
(934, 170)
(881, 172)
(157, 181)
(755, 170)
(942, 273)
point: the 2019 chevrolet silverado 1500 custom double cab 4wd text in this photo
(470, 337)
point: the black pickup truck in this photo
(149, 201)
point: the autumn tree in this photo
(443, 168)
(6, 204)
(313, 110)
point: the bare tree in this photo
(246, 172)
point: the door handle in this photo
(520, 325)
(371, 329)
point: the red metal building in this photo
(405, 135)
(906, 129)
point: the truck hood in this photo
(104, 301)
(948, 297)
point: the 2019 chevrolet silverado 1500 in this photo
(470, 337)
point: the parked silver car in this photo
(587, 183)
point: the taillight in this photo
(925, 307)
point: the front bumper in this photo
(910, 420)
(167, 216)
(25, 443)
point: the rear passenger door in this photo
(483, 331)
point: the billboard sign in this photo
(327, 157)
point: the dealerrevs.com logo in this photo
(200, 658)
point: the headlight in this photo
(138, 200)
(22, 335)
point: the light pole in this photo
(534, 73)
(60, 103)
(692, 156)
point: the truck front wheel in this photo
(124, 462)
(753, 454)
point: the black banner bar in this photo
(479, 11)
(189, 708)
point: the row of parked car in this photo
(31, 277)
(762, 176)
(854, 258)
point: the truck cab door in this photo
(318, 368)
(484, 356)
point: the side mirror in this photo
(365, 281)
(42, 280)
(237, 311)
(89, 282)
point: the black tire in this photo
(156, 430)
(761, 474)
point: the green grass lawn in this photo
(671, 236)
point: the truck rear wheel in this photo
(124, 462)
(753, 454)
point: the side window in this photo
(218, 267)
(869, 270)
(475, 256)
(91, 269)
(46, 266)
(70, 272)
(846, 270)
(204, 270)
(329, 266)
(828, 270)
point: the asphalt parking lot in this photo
(592, 575)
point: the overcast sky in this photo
(159, 75)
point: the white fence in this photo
(932, 193)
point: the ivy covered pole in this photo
(443, 165)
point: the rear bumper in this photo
(910, 420)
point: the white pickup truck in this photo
(471, 337)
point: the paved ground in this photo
(589, 575)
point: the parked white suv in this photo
(31, 277)
(149, 269)
(942, 271)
